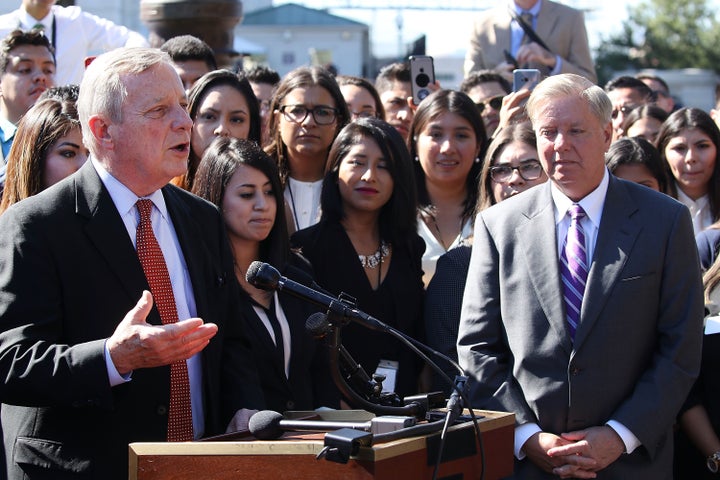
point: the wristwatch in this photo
(713, 462)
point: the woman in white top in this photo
(688, 143)
(308, 111)
(447, 140)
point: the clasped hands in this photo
(526, 54)
(137, 344)
(578, 454)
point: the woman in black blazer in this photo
(366, 245)
(243, 181)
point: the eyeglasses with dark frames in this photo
(494, 102)
(322, 115)
(531, 170)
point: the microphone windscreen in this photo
(317, 325)
(263, 276)
(252, 271)
(265, 425)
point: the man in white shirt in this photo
(27, 69)
(74, 34)
(583, 308)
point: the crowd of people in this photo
(560, 244)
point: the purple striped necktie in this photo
(574, 268)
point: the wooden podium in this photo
(293, 457)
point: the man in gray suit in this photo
(597, 399)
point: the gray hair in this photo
(568, 85)
(103, 91)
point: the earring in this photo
(477, 159)
(416, 158)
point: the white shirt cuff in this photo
(522, 433)
(629, 439)
(113, 375)
(558, 65)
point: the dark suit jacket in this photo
(637, 348)
(68, 275)
(398, 301)
(309, 384)
(443, 302)
(562, 28)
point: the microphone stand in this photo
(377, 402)
(266, 277)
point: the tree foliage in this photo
(663, 34)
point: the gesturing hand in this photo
(137, 344)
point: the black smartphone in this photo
(422, 74)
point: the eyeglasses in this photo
(298, 113)
(494, 102)
(363, 114)
(527, 171)
(625, 109)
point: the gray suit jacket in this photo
(636, 350)
(562, 28)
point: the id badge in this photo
(389, 368)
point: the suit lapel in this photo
(107, 232)
(502, 30)
(546, 22)
(615, 240)
(539, 244)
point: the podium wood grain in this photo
(292, 457)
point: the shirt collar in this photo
(592, 203)
(123, 198)
(700, 203)
(7, 130)
(534, 11)
(28, 21)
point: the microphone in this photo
(266, 277)
(270, 425)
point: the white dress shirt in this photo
(304, 201)
(164, 231)
(284, 329)
(79, 35)
(434, 249)
(593, 205)
(700, 212)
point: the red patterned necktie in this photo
(180, 428)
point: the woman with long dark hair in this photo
(242, 180)
(689, 143)
(307, 112)
(366, 244)
(448, 140)
(221, 104)
(47, 148)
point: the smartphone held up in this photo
(422, 75)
